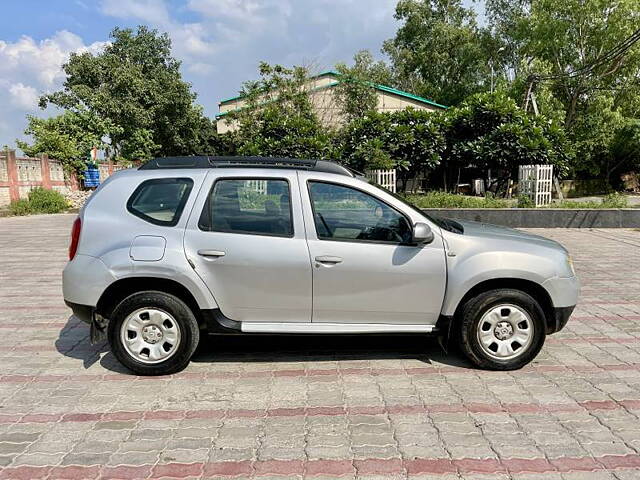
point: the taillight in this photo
(75, 237)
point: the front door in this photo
(364, 270)
(246, 238)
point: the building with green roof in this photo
(322, 95)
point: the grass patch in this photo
(452, 200)
(612, 200)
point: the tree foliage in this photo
(277, 118)
(439, 51)
(490, 132)
(363, 142)
(135, 84)
(356, 93)
(409, 140)
(553, 39)
(572, 34)
(68, 137)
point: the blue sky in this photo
(220, 42)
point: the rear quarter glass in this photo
(160, 201)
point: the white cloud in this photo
(23, 96)
(150, 11)
(29, 68)
(224, 40)
(246, 11)
(188, 39)
(220, 43)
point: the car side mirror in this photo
(422, 233)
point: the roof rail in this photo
(247, 162)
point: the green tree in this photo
(277, 118)
(439, 51)
(609, 144)
(505, 18)
(564, 42)
(416, 142)
(594, 133)
(136, 85)
(489, 131)
(625, 147)
(364, 142)
(410, 141)
(557, 38)
(573, 34)
(68, 137)
(356, 92)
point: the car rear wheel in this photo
(153, 333)
(502, 329)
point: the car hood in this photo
(495, 232)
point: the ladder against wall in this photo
(536, 182)
(384, 178)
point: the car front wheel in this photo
(153, 333)
(502, 329)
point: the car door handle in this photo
(211, 253)
(328, 260)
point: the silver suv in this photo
(185, 246)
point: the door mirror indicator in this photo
(422, 233)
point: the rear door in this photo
(246, 239)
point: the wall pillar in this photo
(12, 173)
(46, 171)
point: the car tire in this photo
(502, 329)
(153, 333)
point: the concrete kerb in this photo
(544, 217)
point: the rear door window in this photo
(160, 201)
(257, 206)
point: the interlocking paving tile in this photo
(318, 407)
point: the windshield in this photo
(404, 201)
(445, 223)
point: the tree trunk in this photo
(571, 111)
(403, 181)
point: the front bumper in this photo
(559, 320)
(564, 291)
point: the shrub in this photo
(20, 207)
(614, 200)
(47, 201)
(40, 200)
(525, 201)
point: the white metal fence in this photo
(536, 182)
(259, 186)
(384, 178)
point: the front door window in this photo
(346, 214)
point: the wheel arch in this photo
(529, 287)
(121, 289)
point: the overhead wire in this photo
(611, 55)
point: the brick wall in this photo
(18, 175)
